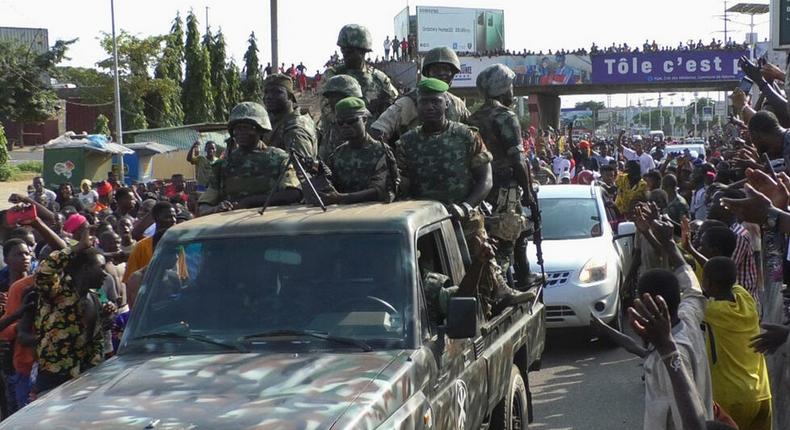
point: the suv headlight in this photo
(593, 271)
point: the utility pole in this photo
(118, 127)
(275, 56)
(725, 22)
(207, 27)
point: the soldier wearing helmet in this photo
(290, 128)
(501, 132)
(378, 92)
(441, 63)
(335, 89)
(250, 173)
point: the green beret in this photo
(280, 79)
(351, 106)
(432, 85)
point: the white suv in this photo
(585, 261)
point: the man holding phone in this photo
(43, 195)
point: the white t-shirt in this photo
(387, 44)
(560, 165)
(88, 199)
(646, 162)
(661, 411)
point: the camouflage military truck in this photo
(299, 319)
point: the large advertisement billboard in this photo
(531, 70)
(453, 27)
(659, 67)
(462, 29)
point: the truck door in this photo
(459, 394)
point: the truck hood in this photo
(567, 255)
(269, 390)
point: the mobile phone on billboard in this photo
(746, 85)
(19, 214)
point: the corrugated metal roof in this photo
(36, 38)
(183, 137)
(749, 8)
(150, 147)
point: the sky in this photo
(308, 28)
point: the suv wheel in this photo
(512, 413)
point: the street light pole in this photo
(275, 52)
(118, 126)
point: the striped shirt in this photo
(744, 261)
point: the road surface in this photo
(584, 385)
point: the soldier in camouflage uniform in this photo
(378, 92)
(501, 133)
(250, 173)
(290, 128)
(335, 89)
(448, 161)
(362, 168)
(441, 63)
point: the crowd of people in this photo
(706, 290)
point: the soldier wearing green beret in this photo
(249, 174)
(501, 132)
(378, 92)
(290, 128)
(363, 169)
(440, 63)
(448, 161)
(335, 89)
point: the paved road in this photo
(19, 155)
(584, 385)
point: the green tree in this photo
(173, 55)
(145, 101)
(102, 125)
(252, 87)
(163, 102)
(196, 97)
(25, 94)
(3, 147)
(93, 86)
(219, 79)
(233, 77)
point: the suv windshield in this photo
(274, 292)
(566, 218)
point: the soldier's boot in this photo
(504, 296)
(524, 279)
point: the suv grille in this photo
(558, 313)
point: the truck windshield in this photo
(570, 218)
(274, 292)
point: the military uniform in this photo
(439, 166)
(402, 115)
(249, 173)
(294, 130)
(357, 169)
(326, 129)
(244, 174)
(377, 89)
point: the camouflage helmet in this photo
(343, 84)
(495, 80)
(252, 112)
(355, 36)
(441, 55)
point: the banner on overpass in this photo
(660, 67)
(531, 70)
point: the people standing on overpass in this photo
(441, 63)
(395, 48)
(387, 46)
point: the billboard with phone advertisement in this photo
(462, 29)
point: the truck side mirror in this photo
(462, 318)
(625, 229)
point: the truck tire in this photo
(512, 413)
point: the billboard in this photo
(580, 118)
(37, 39)
(402, 23)
(462, 29)
(453, 27)
(531, 70)
(655, 67)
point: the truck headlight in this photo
(593, 271)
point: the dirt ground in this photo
(7, 188)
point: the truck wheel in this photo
(512, 413)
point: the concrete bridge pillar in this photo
(549, 110)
